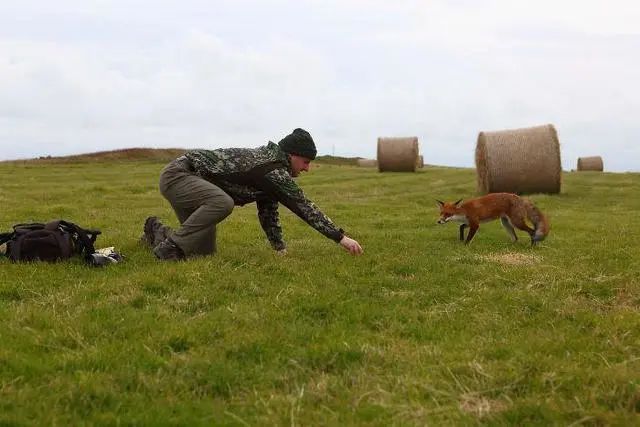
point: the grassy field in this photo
(419, 330)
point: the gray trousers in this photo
(198, 204)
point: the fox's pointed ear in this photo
(458, 202)
(440, 203)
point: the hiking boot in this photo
(154, 232)
(167, 250)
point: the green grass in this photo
(419, 330)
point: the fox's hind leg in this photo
(507, 226)
(519, 223)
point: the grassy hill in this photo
(419, 330)
(151, 155)
(122, 155)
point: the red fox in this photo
(512, 210)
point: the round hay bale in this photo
(397, 154)
(420, 161)
(519, 161)
(593, 163)
(367, 163)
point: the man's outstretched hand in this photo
(351, 245)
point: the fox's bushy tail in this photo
(539, 220)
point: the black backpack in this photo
(51, 242)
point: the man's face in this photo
(299, 164)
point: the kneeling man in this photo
(203, 186)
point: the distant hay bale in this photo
(519, 161)
(367, 163)
(593, 163)
(397, 154)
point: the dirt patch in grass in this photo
(512, 258)
(627, 298)
(480, 406)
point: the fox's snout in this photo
(442, 221)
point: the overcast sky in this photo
(80, 76)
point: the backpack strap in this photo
(28, 226)
(85, 238)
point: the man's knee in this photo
(227, 203)
(221, 203)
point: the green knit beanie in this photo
(299, 142)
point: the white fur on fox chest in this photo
(459, 218)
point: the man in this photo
(203, 186)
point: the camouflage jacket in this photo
(261, 175)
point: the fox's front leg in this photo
(462, 226)
(473, 227)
